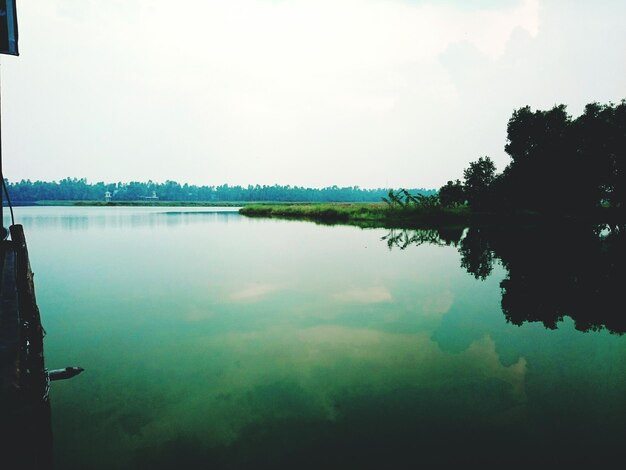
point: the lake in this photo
(212, 340)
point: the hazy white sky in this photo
(373, 93)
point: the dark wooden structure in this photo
(25, 426)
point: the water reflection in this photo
(83, 219)
(402, 238)
(553, 271)
(249, 343)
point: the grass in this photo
(416, 216)
(379, 214)
(315, 211)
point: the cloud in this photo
(569, 56)
(300, 374)
(438, 304)
(306, 92)
(253, 293)
(365, 295)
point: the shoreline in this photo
(381, 215)
(365, 214)
(129, 203)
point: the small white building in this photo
(154, 197)
(107, 196)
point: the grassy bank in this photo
(382, 215)
(359, 213)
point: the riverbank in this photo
(382, 215)
(367, 214)
(360, 213)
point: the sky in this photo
(372, 93)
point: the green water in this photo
(211, 340)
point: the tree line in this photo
(75, 189)
(557, 164)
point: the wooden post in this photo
(26, 440)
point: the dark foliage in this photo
(452, 194)
(558, 164)
(553, 270)
(403, 199)
(478, 180)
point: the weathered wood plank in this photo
(25, 428)
(9, 325)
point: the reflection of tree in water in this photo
(552, 270)
(476, 255)
(402, 238)
(564, 271)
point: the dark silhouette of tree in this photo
(559, 165)
(478, 178)
(601, 132)
(452, 194)
(618, 182)
(593, 135)
(543, 170)
(554, 271)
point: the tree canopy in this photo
(557, 163)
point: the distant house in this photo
(107, 196)
(154, 197)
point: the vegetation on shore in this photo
(560, 168)
(559, 165)
(370, 214)
(381, 215)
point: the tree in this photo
(613, 138)
(478, 178)
(544, 170)
(452, 194)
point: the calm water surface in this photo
(215, 341)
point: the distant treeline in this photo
(74, 189)
(558, 164)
